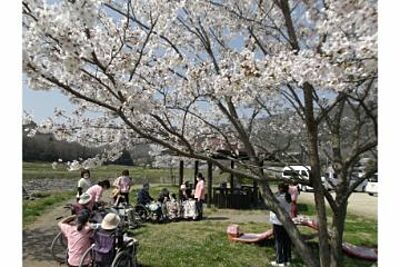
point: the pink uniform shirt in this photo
(200, 191)
(78, 242)
(294, 192)
(124, 184)
(95, 191)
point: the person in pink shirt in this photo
(78, 236)
(294, 194)
(199, 194)
(123, 184)
(96, 192)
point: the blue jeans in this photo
(199, 206)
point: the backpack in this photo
(104, 249)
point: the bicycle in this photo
(59, 248)
(59, 244)
(125, 254)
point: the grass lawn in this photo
(205, 243)
(40, 170)
(200, 243)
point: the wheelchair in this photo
(151, 212)
(125, 252)
(130, 218)
(59, 244)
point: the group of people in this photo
(198, 194)
(168, 203)
(77, 228)
(89, 197)
(81, 233)
(122, 186)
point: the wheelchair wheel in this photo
(88, 254)
(59, 248)
(124, 259)
(142, 212)
(134, 219)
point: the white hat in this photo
(84, 198)
(110, 221)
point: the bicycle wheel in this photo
(123, 259)
(88, 253)
(59, 248)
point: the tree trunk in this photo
(337, 236)
(312, 130)
(294, 234)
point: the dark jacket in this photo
(144, 197)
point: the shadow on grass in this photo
(215, 218)
(301, 207)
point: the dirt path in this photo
(37, 239)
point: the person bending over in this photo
(96, 193)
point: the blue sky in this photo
(41, 104)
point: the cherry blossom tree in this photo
(198, 76)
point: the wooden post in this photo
(180, 172)
(196, 171)
(232, 176)
(209, 184)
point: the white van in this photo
(303, 173)
(372, 185)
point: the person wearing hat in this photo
(85, 199)
(110, 222)
(78, 235)
(83, 203)
(106, 239)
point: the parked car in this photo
(358, 173)
(372, 185)
(302, 173)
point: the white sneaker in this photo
(275, 264)
(287, 263)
